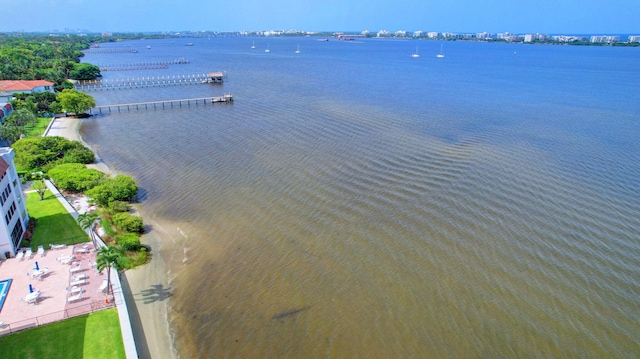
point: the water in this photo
(355, 202)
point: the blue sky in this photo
(544, 16)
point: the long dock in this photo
(226, 98)
(142, 82)
(152, 65)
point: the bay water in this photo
(355, 202)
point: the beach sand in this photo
(146, 288)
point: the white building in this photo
(528, 38)
(418, 33)
(634, 38)
(13, 205)
(432, 34)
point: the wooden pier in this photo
(153, 65)
(226, 98)
(143, 82)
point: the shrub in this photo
(118, 206)
(128, 241)
(128, 222)
(118, 188)
(75, 177)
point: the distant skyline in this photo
(465, 16)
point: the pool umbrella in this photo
(30, 288)
(37, 268)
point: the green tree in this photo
(75, 177)
(38, 152)
(109, 257)
(75, 101)
(84, 71)
(86, 220)
(40, 187)
(118, 188)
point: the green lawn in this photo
(96, 335)
(38, 128)
(54, 224)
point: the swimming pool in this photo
(4, 289)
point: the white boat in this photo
(415, 54)
(267, 50)
(441, 54)
(298, 50)
(253, 45)
(148, 47)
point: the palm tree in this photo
(109, 257)
(86, 221)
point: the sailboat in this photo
(415, 54)
(267, 50)
(253, 45)
(441, 54)
(298, 50)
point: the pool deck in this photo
(52, 304)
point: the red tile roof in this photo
(22, 85)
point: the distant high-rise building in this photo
(634, 38)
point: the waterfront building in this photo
(418, 33)
(528, 38)
(634, 38)
(401, 33)
(32, 86)
(383, 33)
(12, 205)
(604, 38)
(484, 36)
(432, 34)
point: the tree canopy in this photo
(118, 188)
(84, 71)
(40, 152)
(75, 177)
(75, 101)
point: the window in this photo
(16, 233)
(10, 212)
(5, 194)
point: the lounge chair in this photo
(103, 286)
(74, 290)
(20, 255)
(41, 251)
(76, 269)
(75, 297)
(29, 253)
(77, 282)
(80, 276)
(57, 246)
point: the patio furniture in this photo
(76, 269)
(80, 250)
(80, 276)
(74, 290)
(67, 260)
(77, 282)
(75, 297)
(41, 251)
(28, 254)
(57, 246)
(63, 257)
(20, 255)
(103, 286)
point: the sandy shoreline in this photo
(146, 288)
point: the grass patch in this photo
(39, 127)
(54, 224)
(96, 335)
